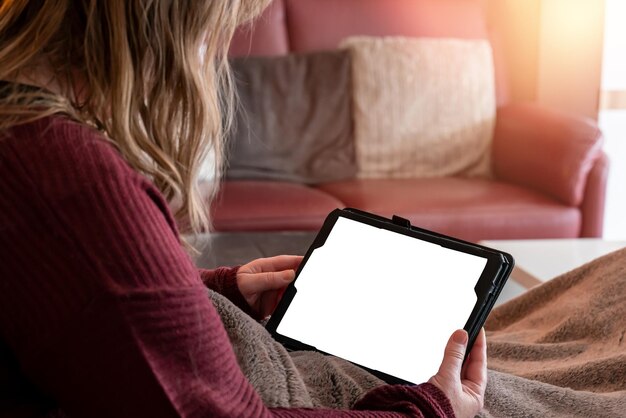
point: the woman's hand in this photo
(262, 282)
(463, 384)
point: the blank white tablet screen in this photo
(382, 300)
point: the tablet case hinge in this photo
(401, 221)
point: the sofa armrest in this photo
(546, 150)
(592, 207)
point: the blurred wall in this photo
(570, 55)
(552, 51)
(516, 23)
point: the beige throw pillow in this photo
(423, 107)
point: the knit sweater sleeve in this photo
(223, 280)
(105, 312)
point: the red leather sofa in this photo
(549, 170)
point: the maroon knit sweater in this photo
(102, 313)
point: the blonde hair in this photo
(134, 69)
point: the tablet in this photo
(386, 295)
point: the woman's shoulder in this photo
(61, 141)
(58, 154)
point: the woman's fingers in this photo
(465, 395)
(277, 263)
(453, 355)
(269, 301)
(476, 365)
(262, 282)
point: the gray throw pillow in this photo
(295, 120)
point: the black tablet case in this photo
(487, 291)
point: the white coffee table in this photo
(539, 260)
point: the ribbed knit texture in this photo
(102, 313)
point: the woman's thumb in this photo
(454, 354)
(275, 280)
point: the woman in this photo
(107, 108)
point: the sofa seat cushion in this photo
(244, 205)
(471, 209)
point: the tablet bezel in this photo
(492, 280)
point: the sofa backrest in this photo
(266, 36)
(323, 24)
(310, 25)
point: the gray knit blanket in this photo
(556, 351)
